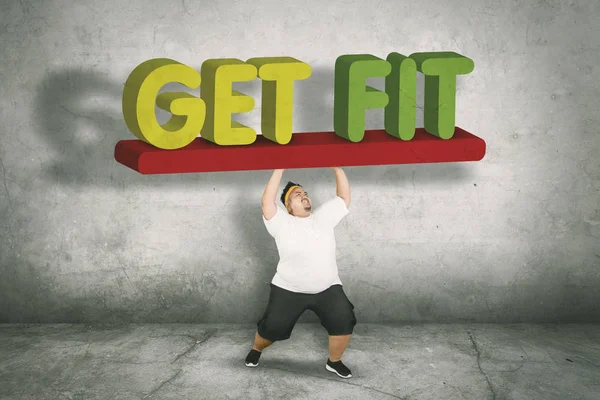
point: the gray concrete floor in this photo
(176, 361)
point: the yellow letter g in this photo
(140, 96)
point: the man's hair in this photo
(286, 189)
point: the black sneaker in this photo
(252, 358)
(339, 368)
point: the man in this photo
(307, 272)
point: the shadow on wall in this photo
(78, 114)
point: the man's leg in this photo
(337, 346)
(260, 343)
(283, 310)
(337, 316)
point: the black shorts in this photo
(284, 308)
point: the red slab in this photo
(305, 150)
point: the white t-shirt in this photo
(307, 248)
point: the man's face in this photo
(299, 202)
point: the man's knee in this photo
(273, 330)
(341, 329)
(342, 323)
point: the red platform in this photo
(305, 150)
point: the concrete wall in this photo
(514, 237)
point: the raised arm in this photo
(269, 198)
(342, 185)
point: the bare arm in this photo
(342, 185)
(269, 198)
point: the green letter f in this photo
(352, 97)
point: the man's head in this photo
(296, 200)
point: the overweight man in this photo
(307, 273)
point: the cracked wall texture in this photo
(514, 237)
